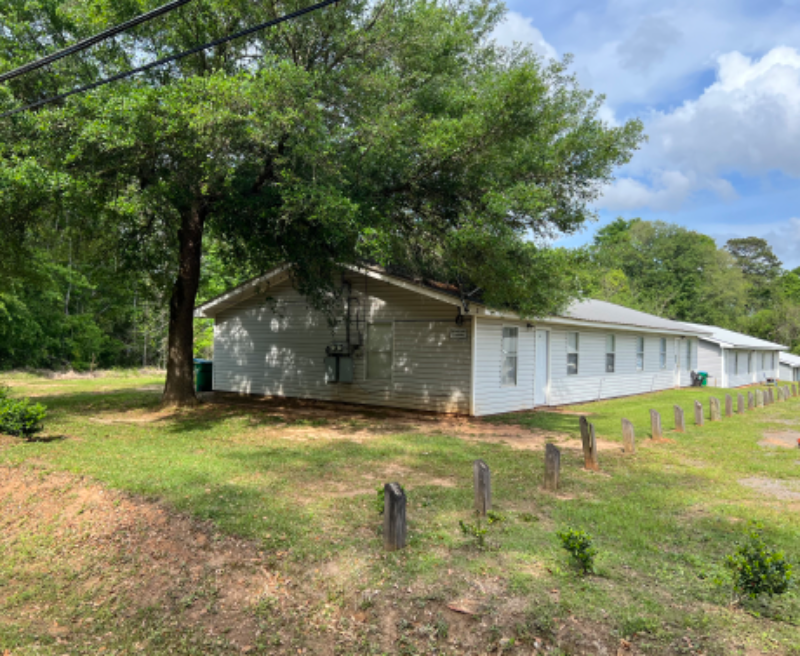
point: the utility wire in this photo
(172, 58)
(92, 40)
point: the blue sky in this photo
(717, 84)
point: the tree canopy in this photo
(394, 132)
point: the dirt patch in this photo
(786, 439)
(784, 490)
(132, 555)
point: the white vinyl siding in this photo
(281, 352)
(786, 372)
(491, 396)
(593, 382)
(508, 374)
(710, 360)
(380, 350)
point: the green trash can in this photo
(703, 376)
(203, 375)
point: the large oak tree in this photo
(393, 132)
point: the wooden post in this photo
(771, 395)
(628, 437)
(699, 418)
(594, 463)
(751, 400)
(759, 398)
(482, 480)
(655, 424)
(552, 467)
(394, 517)
(713, 404)
(585, 441)
(740, 404)
(778, 394)
(728, 405)
(680, 421)
(794, 389)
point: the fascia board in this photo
(211, 308)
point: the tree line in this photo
(75, 304)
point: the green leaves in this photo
(757, 568)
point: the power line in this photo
(92, 40)
(172, 58)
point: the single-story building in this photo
(412, 344)
(790, 367)
(733, 359)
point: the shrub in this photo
(476, 531)
(579, 545)
(20, 417)
(758, 568)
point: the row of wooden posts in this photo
(394, 498)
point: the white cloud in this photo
(783, 236)
(649, 44)
(517, 28)
(747, 121)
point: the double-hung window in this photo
(380, 351)
(688, 355)
(573, 346)
(763, 361)
(662, 353)
(640, 354)
(750, 362)
(509, 371)
(611, 348)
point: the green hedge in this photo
(20, 417)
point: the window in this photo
(750, 362)
(508, 373)
(763, 361)
(772, 361)
(380, 347)
(688, 355)
(662, 353)
(611, 347)
(573, 343)
(640, 354)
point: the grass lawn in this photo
(234, 528)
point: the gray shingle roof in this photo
(790, 358)
(733, 339)
(609, 313)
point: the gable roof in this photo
(592, 313)
(789, 358)
(732, 339)
(611, 314)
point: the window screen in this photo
(736, 362)
(573, 345)
(509, 370)
(611, 347)
(750, 363)
(662, 353)
(640, 354)
(380, 346)
(688, 354)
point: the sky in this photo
(717, 86)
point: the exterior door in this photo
(542, 377)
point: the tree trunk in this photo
(179, 388)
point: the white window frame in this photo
(662, 353)
(612, 352)
(576, 352)
(749, 362)
(504, 355)
(370, 351)
(640, 353)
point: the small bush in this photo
(380, 502)
(579, 545)
(477, 531)
(757, 568)
(20, 417)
